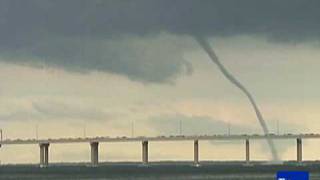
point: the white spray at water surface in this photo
(209, 50)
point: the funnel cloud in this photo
(206, 47)
(119, 37)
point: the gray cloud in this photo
(19, 115)
(194, 125)
(79, 35)
(155, 59)
(57, 111)
(199, 125)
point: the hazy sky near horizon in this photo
(66, 65)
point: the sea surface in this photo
(168, 170)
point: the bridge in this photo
(94, 144)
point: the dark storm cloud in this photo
(108, 18)
(69, 33)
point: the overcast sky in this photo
(66, 65)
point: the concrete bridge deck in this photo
(158, 138)
(94, 143)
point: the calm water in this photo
(176, 171)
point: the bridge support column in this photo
(247, 151)
(94, 153)
(299, 150)
(196, 152)
(145, 152)
(44, 154)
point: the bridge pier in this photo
(247, 151)
(44, 154)
(299, 150)
(196, 152)
(94, 153)
(145, 152)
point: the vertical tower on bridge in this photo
(44, 154)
